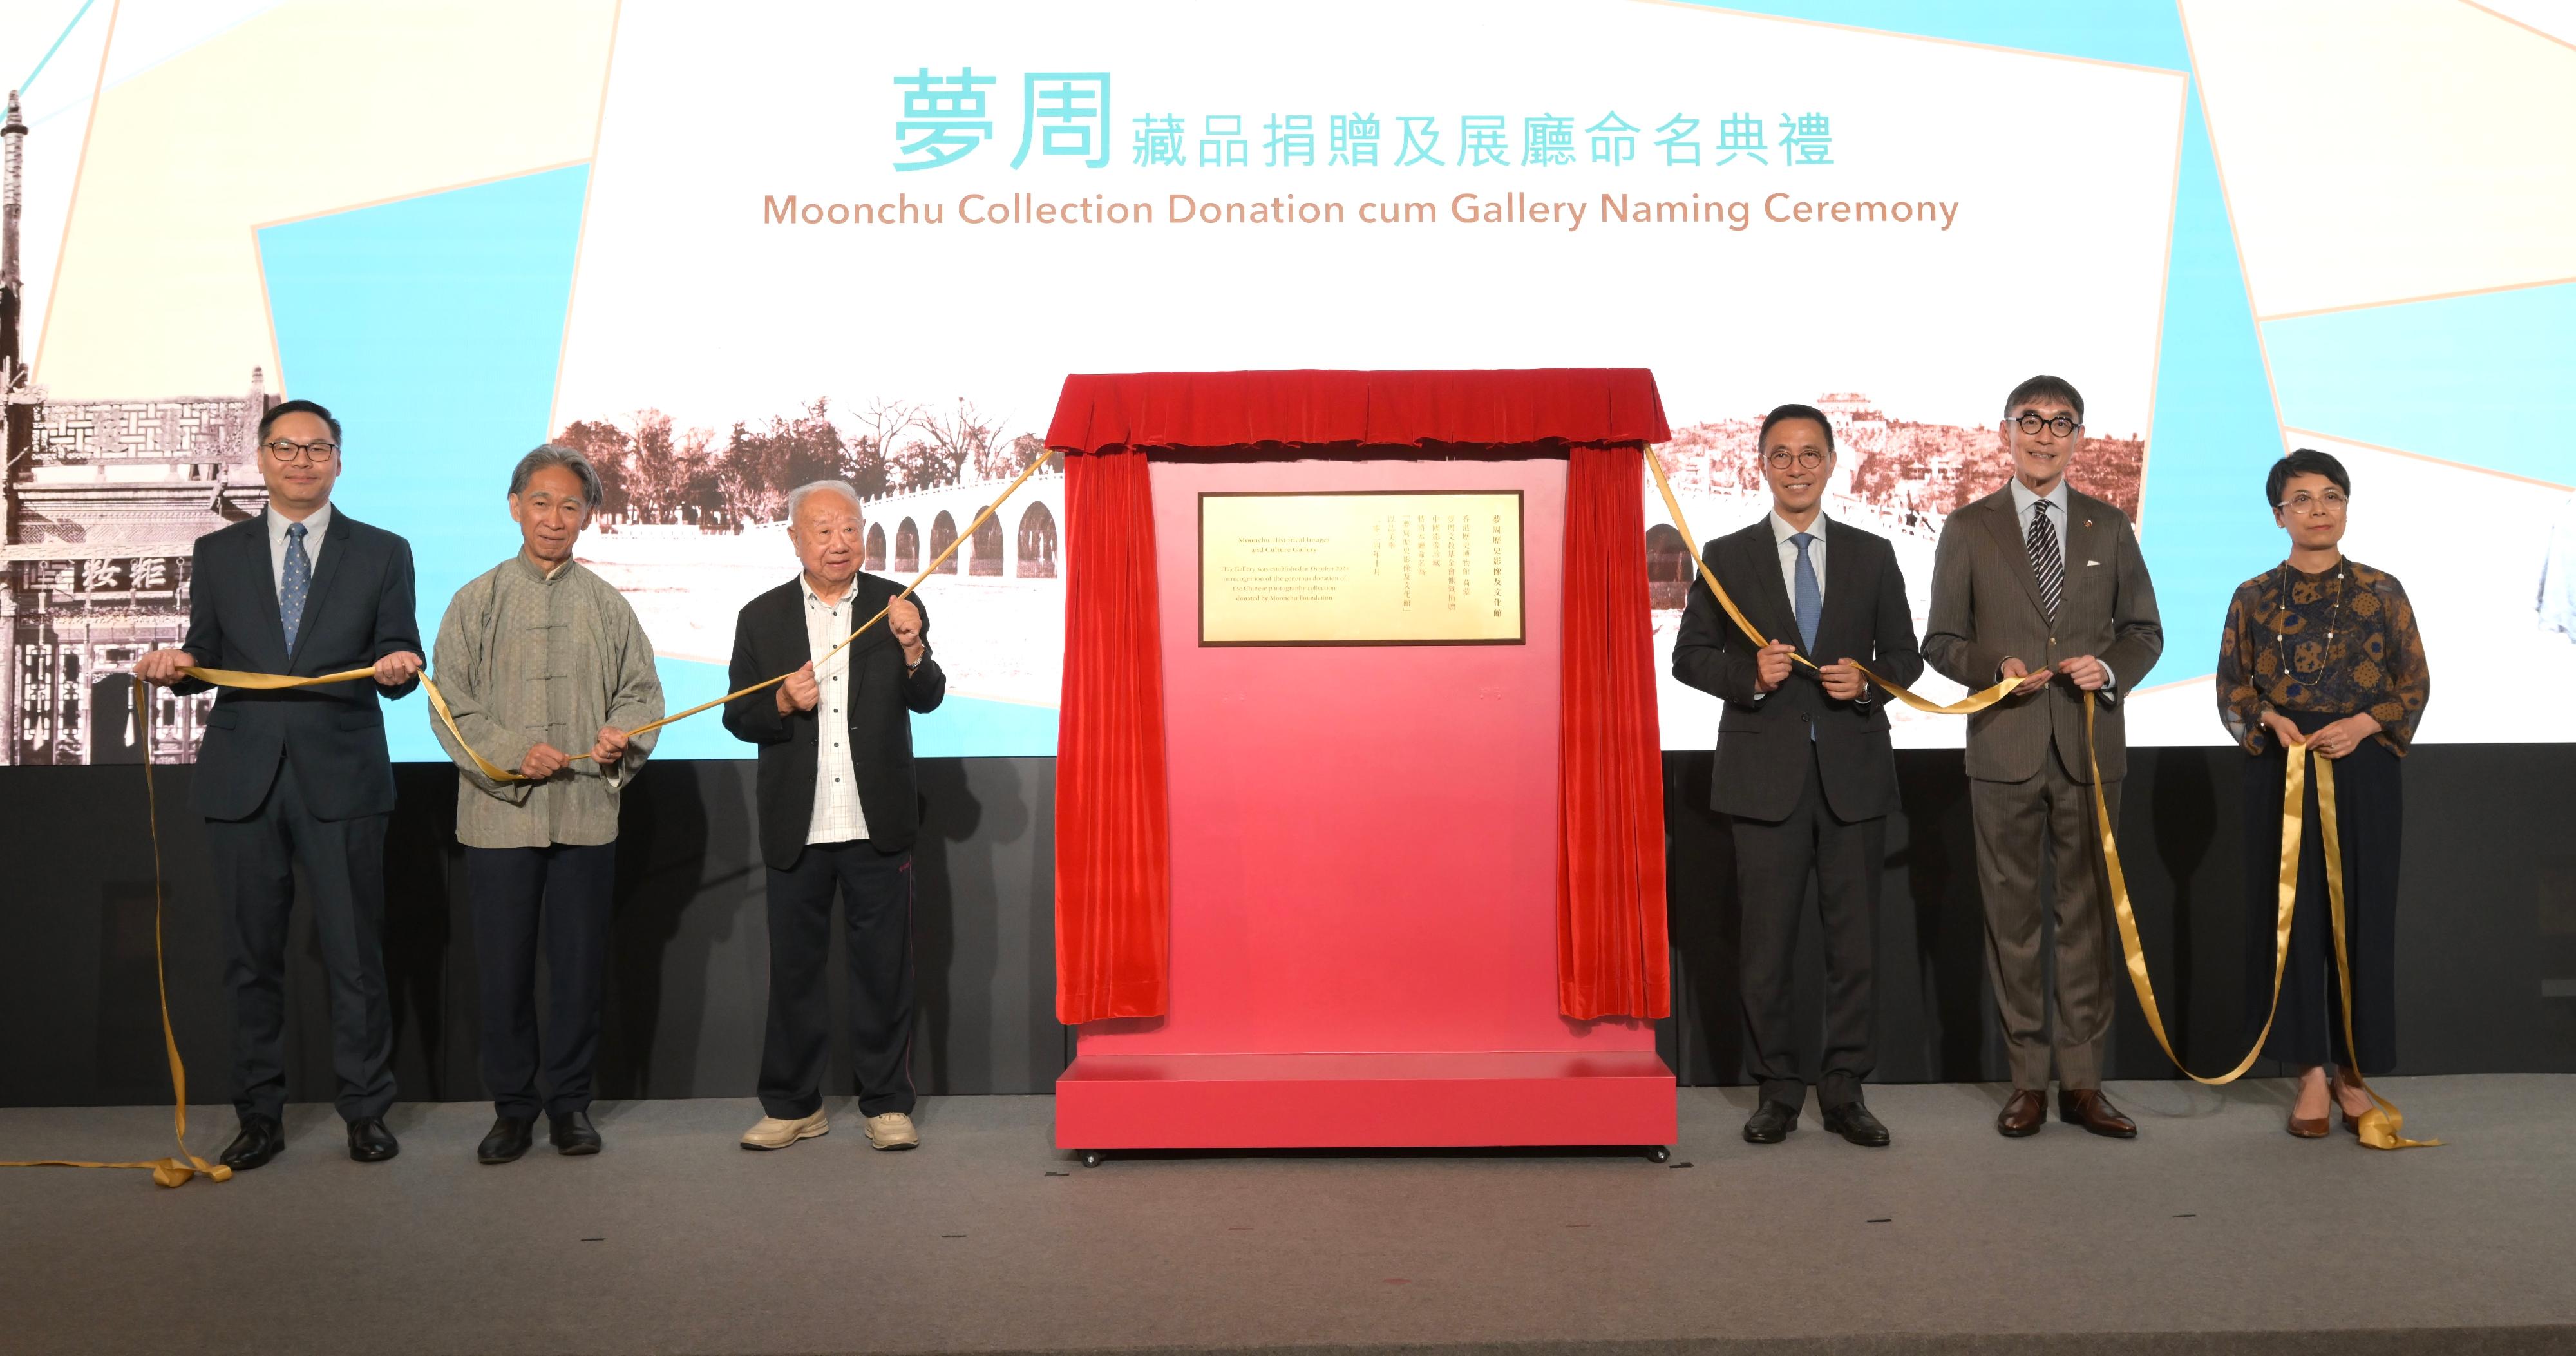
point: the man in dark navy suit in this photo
(299, 777)
(1804, 766)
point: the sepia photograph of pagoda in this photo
(100, 504)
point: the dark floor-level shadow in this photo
(950, 814)
(2182, 815)
(1939, 860)
(655, 1003)
(427, 937)
(1704, 920)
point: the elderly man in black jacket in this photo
(838, 812)
(299, 776)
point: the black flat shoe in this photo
(1853, 1122)
(371, 1142)
(1770, 1123)
(509, 1138)
(260, 1140)
(572, 1133)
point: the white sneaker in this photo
(892, 1130)
(773, 1133)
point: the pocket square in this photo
(2092, 562)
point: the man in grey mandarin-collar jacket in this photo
(547, 674)
(2041, 582)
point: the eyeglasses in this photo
(1808, 460)
(2332, 501)
(2062, 425)
(313, 452)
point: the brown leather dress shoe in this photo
(2087, 1107)
(2306, 1127)
(2023, 1114)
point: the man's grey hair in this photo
(555, 454)
(796, 497)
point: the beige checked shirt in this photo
(523, 657)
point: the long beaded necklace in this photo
(2334, 620)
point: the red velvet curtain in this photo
(1611, 957)
(1113, 874)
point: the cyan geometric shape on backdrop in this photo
(2483, 381)
(431, 326)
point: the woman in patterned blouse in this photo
(2321, 653)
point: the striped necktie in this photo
(2047, 562)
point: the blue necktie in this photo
(299, 582)
(1811, 595)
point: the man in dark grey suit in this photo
(1803, 762)
(299, 777)
(2039, 582)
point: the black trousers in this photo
(1773, 862)
(2370, 813)
(558, 895)
(344, 860)
(876, 905)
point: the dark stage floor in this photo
(2212, 1232)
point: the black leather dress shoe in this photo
(1853, 1122)
(371, 1142)
(260, 1140)
(1770, 1123)
(572, 1133)
(508, 1138)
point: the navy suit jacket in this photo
(359, 611)
(1763, 745)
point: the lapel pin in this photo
(2088, 522)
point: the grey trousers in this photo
(2020, 826)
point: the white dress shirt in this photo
(2025, 507)
(837, 816)
(315, 524)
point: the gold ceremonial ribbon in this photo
(185, 1167)
(1965, 706)
(2291, 825)
(2381, 1126)
(171, 1172)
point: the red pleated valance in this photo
(1256, 413)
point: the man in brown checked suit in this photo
(2041, 583)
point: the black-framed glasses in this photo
(316, 452)
(2062, 425)
(2304, 503)
(1783, 459)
